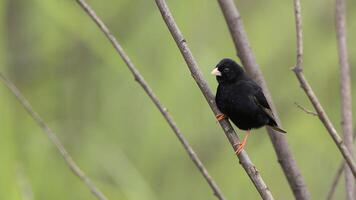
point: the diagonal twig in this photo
(203, 85)
(139, 78)
(337, 175)
(336, 179)
(284, 154)
(298, 70)
(53, 138)
(345, 88)
(305, 109)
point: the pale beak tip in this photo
(216, 72)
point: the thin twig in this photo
(345, 88)
(203, 85)
(53, 138)
(139, 78)
(280, 144)
(305, 109)
(338, 173)
(298, 70)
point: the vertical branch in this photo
(298, 70)
(203, 85)
(284, 155)
(299, 34)
(54, 139)
(345, 87)
(139, 78)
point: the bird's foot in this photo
(220, 117)
(240, 147)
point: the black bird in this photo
(240, 99)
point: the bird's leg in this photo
(220, 117)
(242, 144)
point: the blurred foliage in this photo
(70, 73)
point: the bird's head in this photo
(227, 71)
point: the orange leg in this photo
(220, 117)
(242, 144)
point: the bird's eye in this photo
(226, 70)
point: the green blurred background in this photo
(71, 74)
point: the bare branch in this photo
(299, 33)
(326, 121)
(345, 88)
(338, 173)
(203, 85)
(285, 157)
(312, 97)
(54, 139)
(139, 78)
(305, 109)
(337, 176)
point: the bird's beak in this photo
(216, 72)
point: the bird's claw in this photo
(220, 117)
(240, 147)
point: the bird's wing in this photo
(260, 99)
(268, 110)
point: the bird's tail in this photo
(276, 128)
(273, 125)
